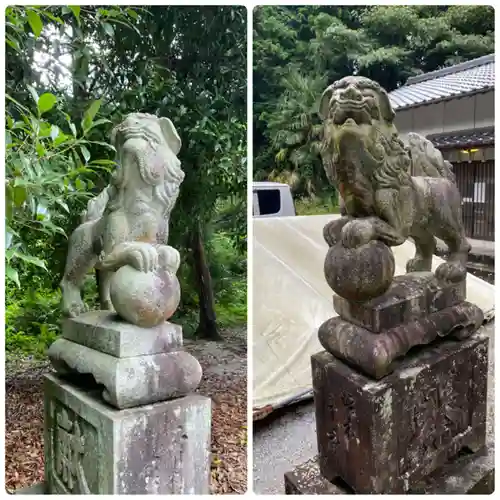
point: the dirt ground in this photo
(224, 381)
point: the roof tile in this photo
(471, 76)
(481, 137)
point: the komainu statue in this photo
(125, 228)
(391, 191)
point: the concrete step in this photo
(484, 254)
(484, 271)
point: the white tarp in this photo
(291, 299)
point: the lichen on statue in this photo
(391, 191)
(124, 233)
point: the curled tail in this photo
(426, 160)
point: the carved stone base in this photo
(469, 474)
(375, 353)
(129, 382)
(92, 448)
(135, 365)
(409, 297)
(385, 436)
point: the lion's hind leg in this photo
(425, 244)
(104, 290)
(455, 268)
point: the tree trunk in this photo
(98, 285)
(207, 327)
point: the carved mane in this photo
(395, 169)
(427, 160)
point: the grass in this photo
(316, 206)
(33, 318)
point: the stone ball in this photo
(362, 273)
(144, 299)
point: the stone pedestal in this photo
(400, 392)
(92, 448)
(119, 416)
(135, 365)
(385, 436)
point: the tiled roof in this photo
(464, 78)
(478, 137)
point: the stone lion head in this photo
(148, 145)
(357, 99)
(361, 146)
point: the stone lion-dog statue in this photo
(127, 223)
(391, 191)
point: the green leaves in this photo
(43, 173)
(12, 275)
(80, 185)
(93, 109)
(13, 42)
(19, 195)
(88, 118)
(54, 132)
(46, 102)
(132, 13)
(85, 153)
(61, 138)
(108, 28)
(12, 254)
(76, 11)
(35, 22)
(33, 93)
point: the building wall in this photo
(464, 113)
(474, 168)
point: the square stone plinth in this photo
(106, 332)
(92, 448)
(411, 296)
(465, 475)
(385, 436)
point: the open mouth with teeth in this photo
(350, 113)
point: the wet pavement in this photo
(280, 443)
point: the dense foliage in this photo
(299, 50)
(72, 73)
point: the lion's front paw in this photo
(453, 272)
(356, 233)
(143, 257)
(140, 255)
(169, 258)
(332, 232)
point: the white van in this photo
(272, 199)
